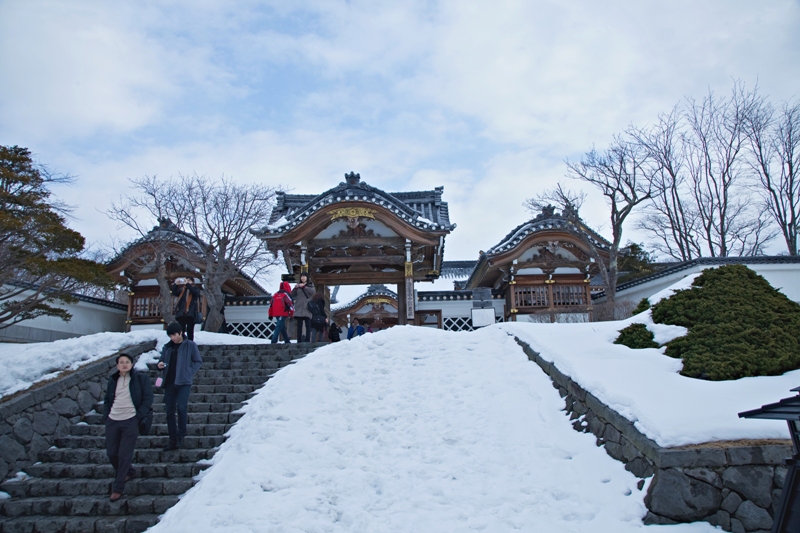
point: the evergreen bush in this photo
(643, 306)
(636, 336)
(739, 326)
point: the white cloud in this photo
(487, 99)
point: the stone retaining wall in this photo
(735, 487)
(30, 422)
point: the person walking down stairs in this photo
(129, 402)
(179, 362)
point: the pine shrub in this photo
(739, 326)
(643, 306)
(636, 336)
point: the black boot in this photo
(173, 445)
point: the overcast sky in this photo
(485, 98)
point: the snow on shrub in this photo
(739, 326)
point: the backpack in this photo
(288, 306)
(318, 321)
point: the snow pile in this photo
(22, 365)
(683, 284)
(645, 386)
(411, 430)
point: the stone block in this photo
(5, 428)
(720, 518)
(704, 474)
(72, 392)
(576, 391)
(45, 422)
(751, 482)
(23, 430)
(67, 406)
(62, 429)
(758, 455)
(85, 401)
(94, 389)
(37, 444)
(731, 502)
(779, 476)
(614, 450)
(50, 525)
(611, 434)
(11, 450)
(629, 451)
(675, 495)
(80, 524)
(640, 467)
(691, 457)
(596, 427)
(3, 469)
(652, 519)
(753, 517)
(737, 527)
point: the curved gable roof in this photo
(422, 209)
(547, 220)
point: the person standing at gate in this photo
(187, 308)
(128, 400)
(281, 309)
(179, 362)
(302, 294)
(319, 318)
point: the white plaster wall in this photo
(87, 318)
(456, 308)
(247, 313)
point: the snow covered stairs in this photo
(68, 490)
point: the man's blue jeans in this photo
(280, 329)
(176, 397)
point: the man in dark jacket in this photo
(187, 308)
(179, 362)
(128, 401)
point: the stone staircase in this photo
(68, 489)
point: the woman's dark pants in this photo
(176, 397)
(120, 443)
(303, 321)
(187, 323)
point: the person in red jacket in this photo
(281, 308)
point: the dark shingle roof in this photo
(423, 209)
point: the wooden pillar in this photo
(401, 303)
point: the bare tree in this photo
(617, 174)
(670, 216)
(774, 139)
(715, 141)
(219, 214)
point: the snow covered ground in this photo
(412, 430)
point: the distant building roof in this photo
(457, 269)
(372, 291)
